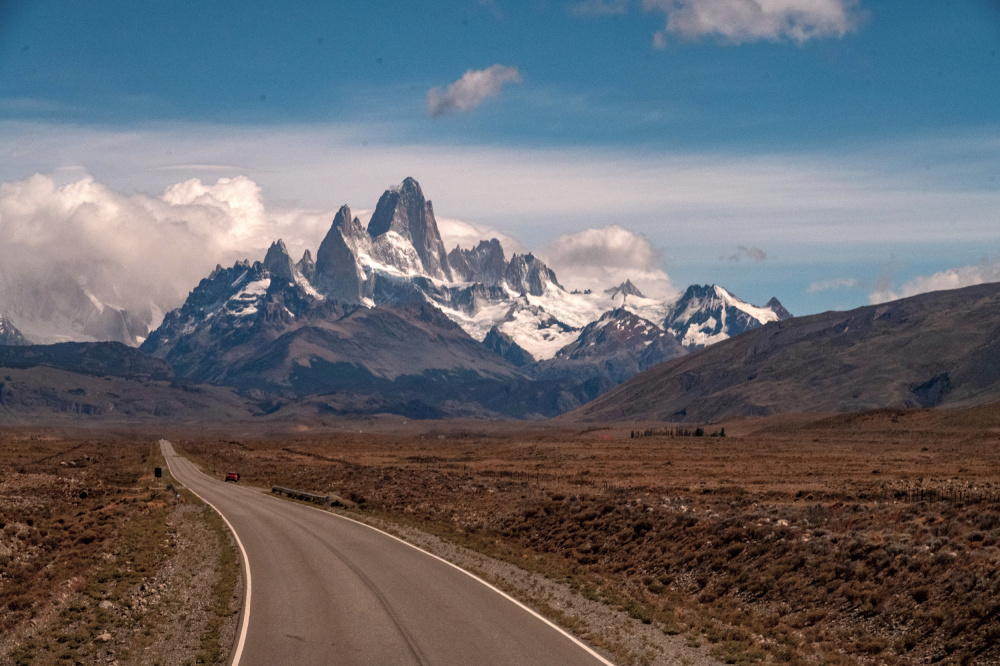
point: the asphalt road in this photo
(328, 590)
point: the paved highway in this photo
(324, 589)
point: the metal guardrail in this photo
(325, 500)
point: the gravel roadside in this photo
(616, 635)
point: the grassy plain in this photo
(870, 538)
(100, 562)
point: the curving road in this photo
(324, 589)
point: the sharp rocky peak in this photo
(307, 266)
(336, 273)
(278, 263)
(700, 291)
(706, 314)
(623, 322)
(779, 309)
(503, 345)
(342, 218)
(626, 288)
(484, 263)
(405, 211)
(528, 274)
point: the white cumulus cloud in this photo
(601, 258)
(475, 86)
(62, 247)
(987, 270)
(739, 21)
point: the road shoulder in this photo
(610, 631)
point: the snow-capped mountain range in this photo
(400, 259)
(384, 319)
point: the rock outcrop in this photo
(624, 290)
(485, 263)
(278, 263)
(504, 346)
(337, 273)
(527, 274)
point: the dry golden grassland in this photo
(871, 539)
(99, 563)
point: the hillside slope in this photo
(940, 348)
(84, 382)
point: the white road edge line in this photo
(238, 654)
(503, 594)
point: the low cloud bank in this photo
(600, 258)
(70, 253)
(987, 270)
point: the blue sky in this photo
(856, 144)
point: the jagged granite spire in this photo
(336, 275)
(626, 288)
(485, 263)
(307, 266)
(405, 211)
(278, 263)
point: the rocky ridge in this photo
(385, 310)
(934, 349)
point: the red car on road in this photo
(232, 476)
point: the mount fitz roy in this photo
(385, 319)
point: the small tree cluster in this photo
(675, 432)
